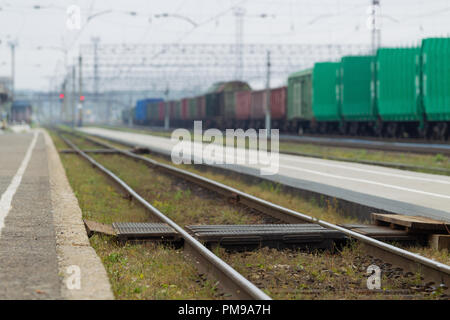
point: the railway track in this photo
(208, 262)
(434, 271)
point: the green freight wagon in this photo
(212, 105)
(229, 105)
(436, 79)
(152, 111)
(325, 95)
(299, 95)
(357, 90)
(177, 109)
(192, 114)
(398, 91)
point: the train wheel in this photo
(354, 129)
(442, 129)
(423, 132)
(343, 128)
(391, 130)
(447, 131)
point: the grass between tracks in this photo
(283, 274)
(428, 162)
(136, 271)
(291, 274)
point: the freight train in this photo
(399, 92)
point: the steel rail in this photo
(433, 270)
(232, 281)
(89, 151)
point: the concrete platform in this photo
(392, 190)
(31, 247)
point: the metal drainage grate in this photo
(144, 231)
(311, 236)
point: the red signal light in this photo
(61, 96)
(81, 98)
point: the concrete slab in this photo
(28, 261)
(72, 244)
(30, 255)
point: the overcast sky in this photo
(404, 22)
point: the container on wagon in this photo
(161, 110)
(201, 107)
(243, 105)
(184, 108)
(357, 90)
(229, 105)
(172, 105)
(219, 104)
(192, 114)
(212, 104)
(177, 109)
(299, 100)
(140, 112)
(436, 78)
(325, 93)
(257, 111)
(152, 113)
(278, 103)
(398, 91)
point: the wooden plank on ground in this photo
(380, 232)
(440, 241)
(412, 223)
(96, 227)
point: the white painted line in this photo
(438, 195)
(8, 195)
(350, 167)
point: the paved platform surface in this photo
(393, 190)
(32, 205)
(28, 261)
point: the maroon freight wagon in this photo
(172, 106)
(258, 103)
(161, 110)
(184, 109)
(201, 107)
(243, 105)
(278, 98)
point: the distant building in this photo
(21, 111)
(5, 98)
